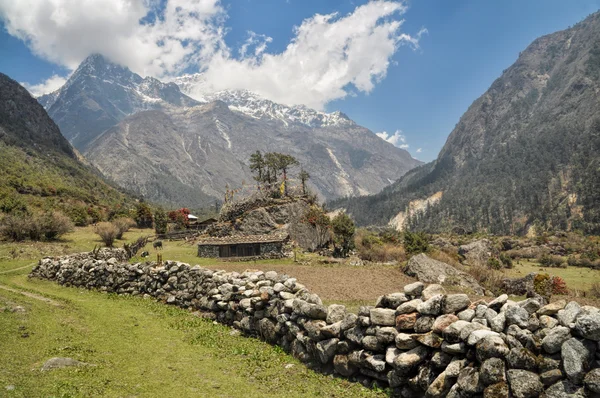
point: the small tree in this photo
(143, 216)
(123, 224)
(304, 176)
(180, 217)
(415, 242)
(258, 166)
(160, 221)
(55, 225)
(343, 230)
(107, 232)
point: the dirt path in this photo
(32, 295)
(17, 269)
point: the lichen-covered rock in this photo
(588, 325)
(442, 322)
(577, 356)
(414, 289)
(492, 371)
(524, 384)
(552, 308)
(565, 389)
(424, 324)
(491, 347)
(567, 315)
(455, 303)
(433, 306)
(408, 307)
(498, 390)
(406, 362)
(383, 316)
(336, 313)
(555, 338)
(592, 380)
(426, 269)
(522, 358)
(517, 315)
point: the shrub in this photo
(506, 260)
(595, 290)
(542, 285)
(143, 215)
(160, 221)
(552, 261)
(559, 286)
(487, 278)
(79, 216)
(343, 233)
(372, 247)
(415, 242)
(494, 263)
(14, 227)
(107, 232)
(55, 224)
(123, 225)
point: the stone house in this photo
(239, 246)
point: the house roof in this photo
(240, 239)
(192, 217)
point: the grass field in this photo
(577, 278)
(140, 348)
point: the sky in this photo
(407, 70)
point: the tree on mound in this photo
(268, 167)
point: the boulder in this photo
(588, 325)
(426, 269)
(524, 384)
(476, 253)
(491, 347)
(565, 389)
(492, 371)
(383, 316)
(577, 356)
(555, 338)
(455, 303)
(409, 360)
(432, 290)
(518, 286)
(592, 380)
(567, 315)
(433, 306)
(414, 289)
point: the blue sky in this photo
(426, 87)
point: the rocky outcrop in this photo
(426, 269)
(476, 253)
(417, 342)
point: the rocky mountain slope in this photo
(38, 166)
(527, 152)
(100, 94)
(177, 150)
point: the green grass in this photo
(141, 348)
(577, 278)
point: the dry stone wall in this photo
(417, 342)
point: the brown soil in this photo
(339, 283)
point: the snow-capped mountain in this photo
(154, 140)
(99, 94)
(258, 107)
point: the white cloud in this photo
(396, 139)
(419, 150)
(49, 85)
(329, 57)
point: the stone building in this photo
(236, 246)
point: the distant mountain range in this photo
(38, 166)
(153, 139)
(525, 154)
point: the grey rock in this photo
(524, 384)
(577, 356)
(592, 380)
(466, 315)
(454, 349)
(453, 331)
(433, 306)
(498, 322)
(477, 335)
(455, 366)
(588, 325)
(551, 376)
(424, 324)
(498, 302)
(455, 303)
(432, 290)
(567, 315)
(491, 347)
(383, 316)
(408, 307)
(335, 313)
(555, 338)
(469, 381)
(552, 308)
(522, 358)
(476, 253)
(426, 269)
(409, 360)
(492, 371)
(517, 315)
(414, 289)
(327, 349)
(405, 341)
(531, 305)
(59, 363)
(548, 322)
(565, 389)
(439, 387)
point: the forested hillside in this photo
(527, 152)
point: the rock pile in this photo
(418, 342)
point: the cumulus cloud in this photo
(419, 150)
(396, 139)
(329, 57)
(54, 82)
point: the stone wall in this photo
(208, 251)
(418, 342)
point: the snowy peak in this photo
(253, 105)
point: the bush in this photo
(415, 242)
(372, 247)
(559, 286)
(506, 260)
(488, 278)
(143, 215)
(542, 285)
(55, 224)
(123, 225)
(160, 221)
(494, 263)
(107, 232)
(343, 234)
(552, 261)
(14, 227)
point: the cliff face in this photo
(526, 151)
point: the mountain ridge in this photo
(524, 154)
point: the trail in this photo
(17, 269)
